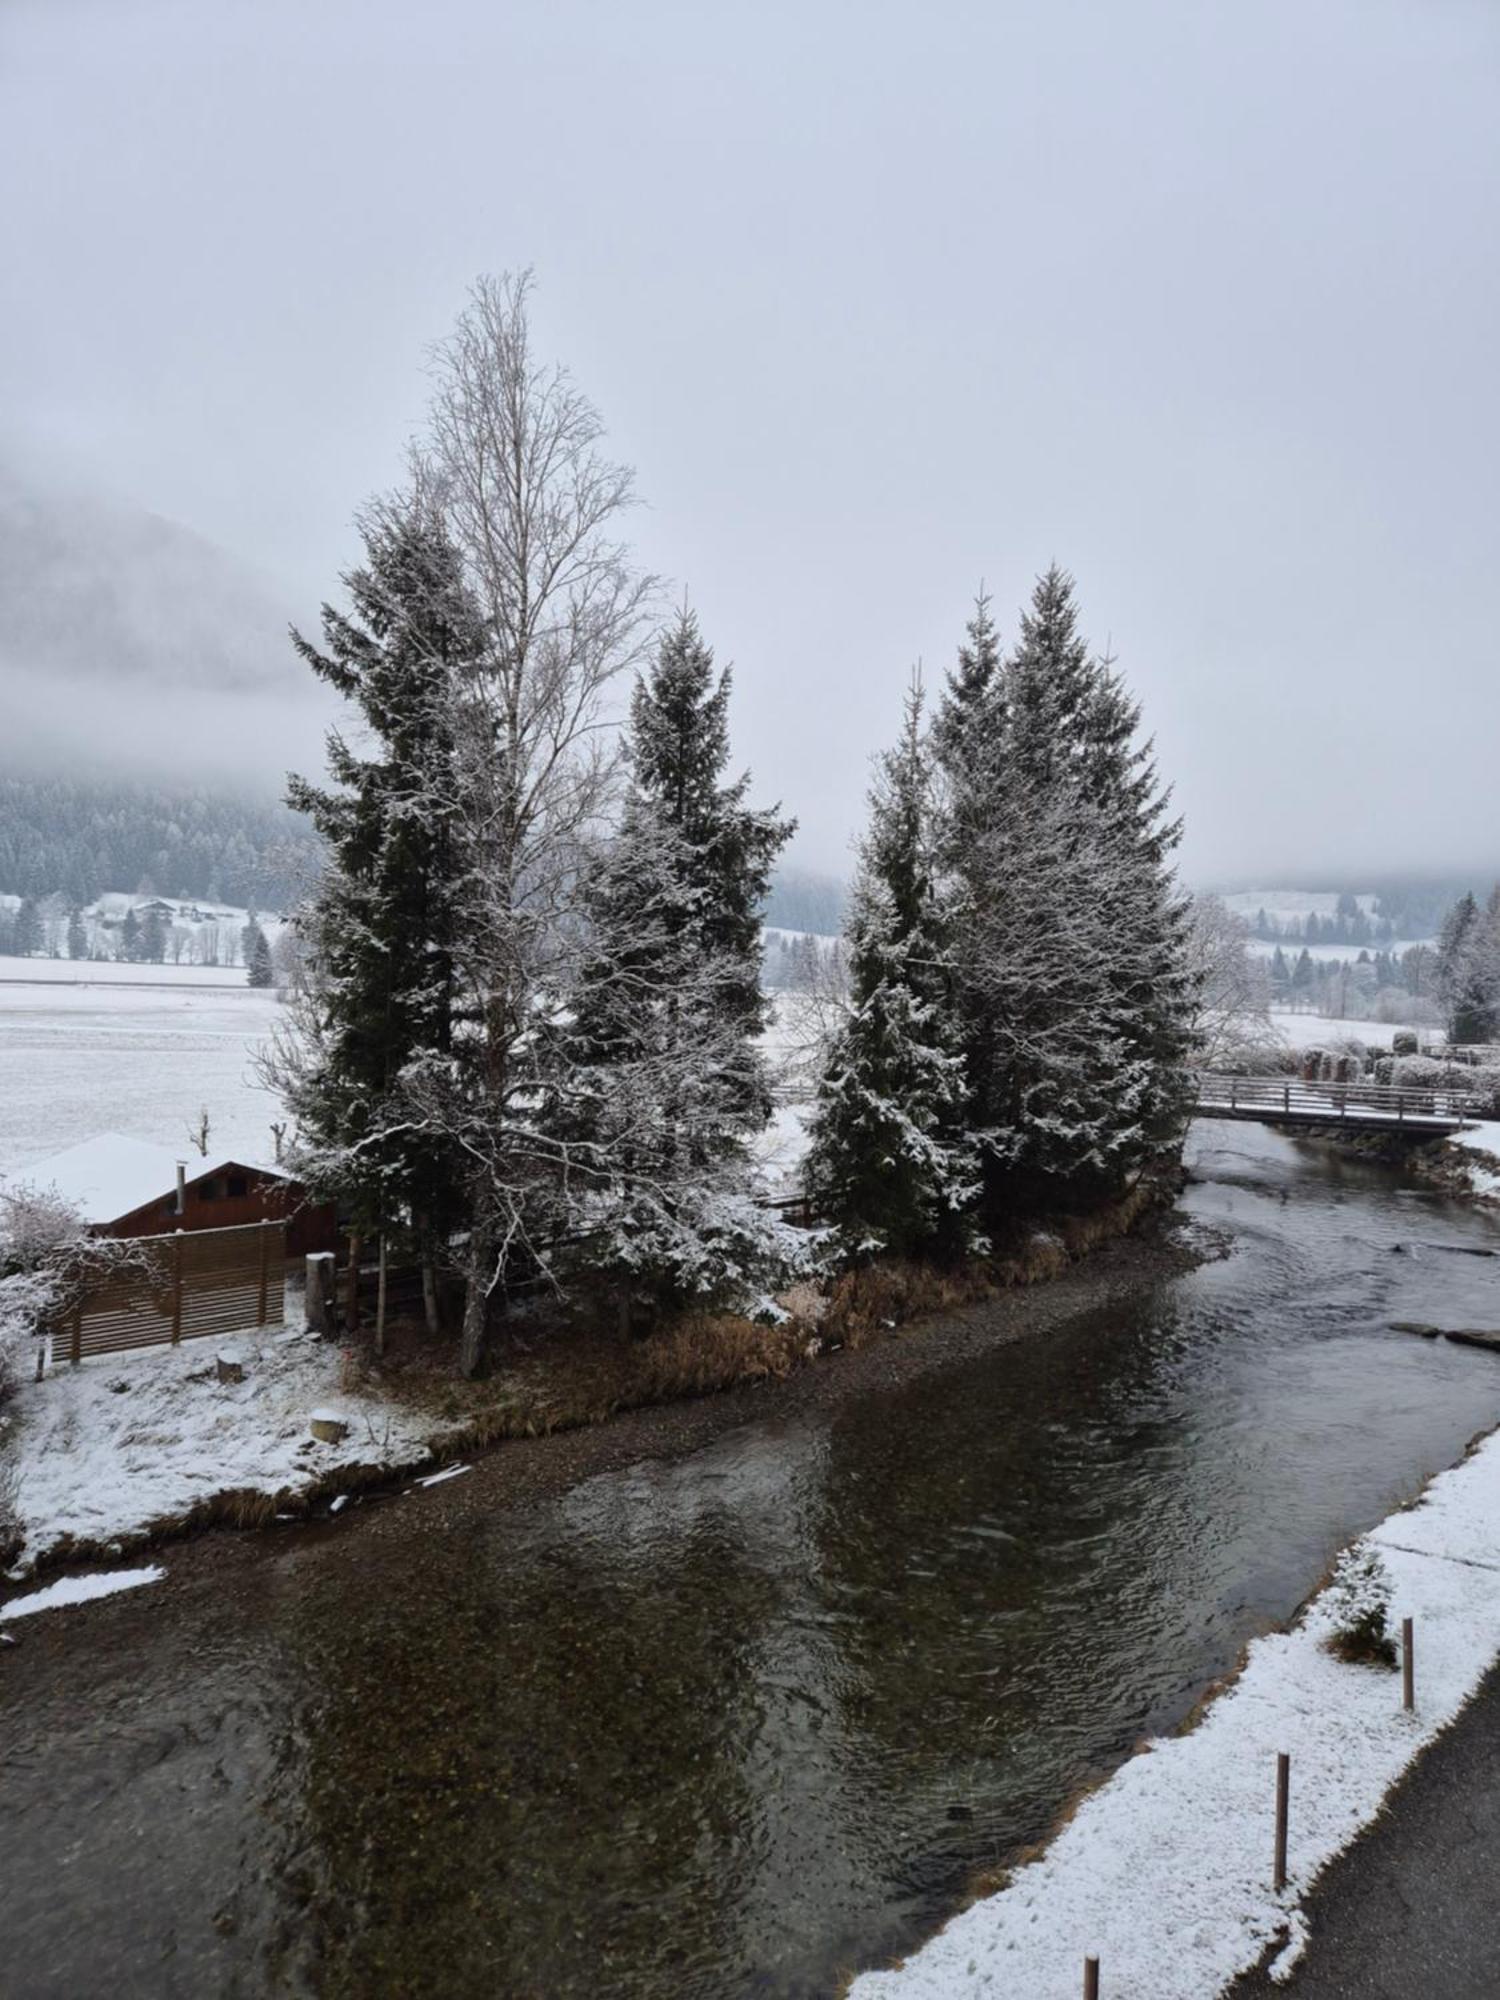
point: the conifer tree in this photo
(26, 936)
(1072, 977)
(258, 964)
(78, 940)
(890, 1161)
(130, 936)
(660, 1087)
(379, 934)
(153, 945)
(1469, 969)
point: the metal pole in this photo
(1408, 1668)
(1091, 1979)
(1283, 1789)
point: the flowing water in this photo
(742, 1722)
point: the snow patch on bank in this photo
(1164, 1874)
(80, 1590)
(1482, 1140)
(103, 1450)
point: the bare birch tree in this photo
(513, 460)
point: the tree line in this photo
(526, 1038)
(80, 837)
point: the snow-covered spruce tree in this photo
(890, 1162)
(1071, 974)
(662, 1087)
(380, 933)
(258, 960)
(512, 459)
(1469, 969)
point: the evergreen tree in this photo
(1281, 978)
(966, 710)
(659, 1086)
(78, 937)
(1463, 987)
(679, 747)
(26, 936)
(380, 933)
(1070, 938)
(130, 937)
(1304, 976)
(890, 1161)
(259, 961)
(153, 940)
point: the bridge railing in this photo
(1345, 1101)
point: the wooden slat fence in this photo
(192, 1285)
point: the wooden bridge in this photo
(1372, 1107)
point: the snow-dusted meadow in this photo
(85, 1049)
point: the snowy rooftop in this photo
(112, 1174)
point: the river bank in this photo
(738, 1697)
(127, 1454)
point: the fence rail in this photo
(192, 1285)
(1383, 1103)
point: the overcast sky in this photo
(1201, 300)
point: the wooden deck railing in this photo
(1293, 1096)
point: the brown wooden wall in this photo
(267, 1198)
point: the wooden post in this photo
(322, 1283)
(1408, 1668)
(1091, 1979)
(265, 1274)
(177, 1290)
(1283, 1789)
(76, 1352)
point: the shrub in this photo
(1359, 1603)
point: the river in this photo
(739, 1721)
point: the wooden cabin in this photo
(129, 1187)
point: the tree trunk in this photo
(430, 1310)
(351, 1307)
(380, 1304)
(476, 1301)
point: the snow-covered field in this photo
(1164, 1874)
(111, 972)
(1306, 1031)
(80, 1059)
(102, 1450)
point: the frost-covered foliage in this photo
(1469, 969)
(1479, 1081)
(46, 1256)
(660, 1084)
(381, 931)
(1233, 990)
(1073, 983)
(891, 1159)
(1358, 1607)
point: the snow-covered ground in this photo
(1164, 1874)
(102, 1450)
(113, 972)
(1484, 1173)
(1306, 1031)
(77, 1060)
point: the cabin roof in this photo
(112, 1174)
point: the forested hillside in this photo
(80, 837)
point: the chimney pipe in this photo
(182, 1187)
